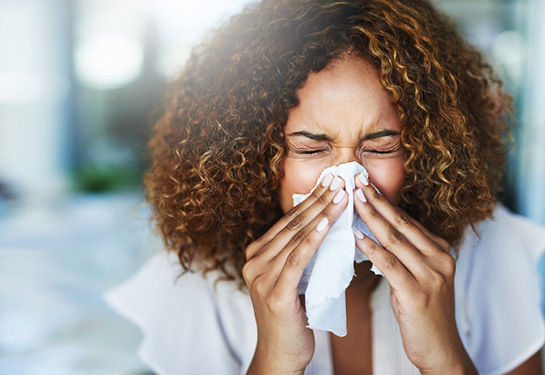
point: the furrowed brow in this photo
(381, 134)
(313, 136)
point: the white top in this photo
(192, 325)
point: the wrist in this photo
(457, 369)
(458, 364)
(263, 367)
(268, 362)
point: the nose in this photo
(347, 155)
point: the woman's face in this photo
(344, 114)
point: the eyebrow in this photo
(314, 136)
(381, 134)
(323, 137)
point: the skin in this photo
(344, 115)
(347, 107)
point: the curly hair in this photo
(217, 148)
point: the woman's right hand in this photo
(274, 266)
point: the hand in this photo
(274, 266)
(420, 271)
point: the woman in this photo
(286, 89)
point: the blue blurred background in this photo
(80, 83)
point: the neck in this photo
(365, 280)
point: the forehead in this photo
(347, 95)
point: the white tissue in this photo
(331, 269)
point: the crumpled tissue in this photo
(331, 269)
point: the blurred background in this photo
(80, 83)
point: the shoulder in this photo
(526, 235)
(499, 291)
(190, 323)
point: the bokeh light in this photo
(109, 61)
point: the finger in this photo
(295, 211)
(441, 242)
(269, 271)
(390, 237)
(297, 259)
(415, 232)
(289, 216)
(363, 181)
(398, 276)
(297, 219)
(330, 213)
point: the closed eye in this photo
(310, 152)
(380, 152)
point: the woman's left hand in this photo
(420, 271)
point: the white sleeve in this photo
(501, 294)
(179, 319)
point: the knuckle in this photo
(436, 280)
(445, 246)
(295, 223)
(293, 260)
(314, 196)
(375, 195)
(389, 261)
(402, 218)
(395, 237)
(448, 263)
(250, 250)
(297, 237)
(311, 240)
(259, 286)
(275, 301)
(439, 282)
(247, 272)
(322, 200)
(294, 211)
(372, 212)
(371, 247)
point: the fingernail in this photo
(360, 195)
(363, 178)
(339, 197)
(335, 184)
(358, 233)
(322, 224)
(327, 180)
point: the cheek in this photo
(389, 177)
(299, 178)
